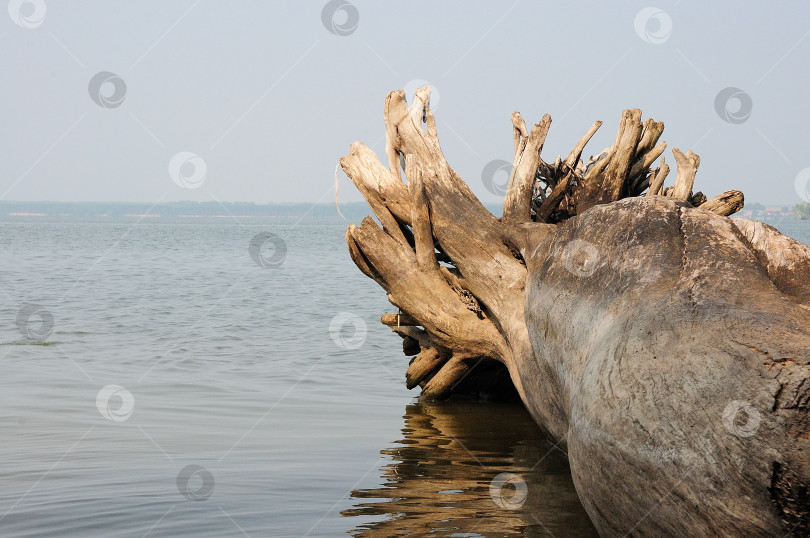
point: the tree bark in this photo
(637, 333)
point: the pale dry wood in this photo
(449, 313)
(450, 198)
(647, 151)
(447, 376)
(517, 202)
(657, 181)
(626, 143)
(576, 153)
(650, 134)
(519, 131)
(417, 333)
(420, 216)
(687, 165)
(362, 181)
(598, 163)
(554, 198)
(395, 111)
(370, 177)
(638, 177)
(786, 260)
(421, 366)
(575, 342)
(726, 203)
(437, 307)
(607, 180)
(395, 320)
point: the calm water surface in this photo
(186, 390)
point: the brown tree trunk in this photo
(665, 344)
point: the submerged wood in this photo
(664, 344)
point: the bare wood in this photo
(606, 181)
(440, 311)
(576, 153)
(430, 121)
(516, 292)
(553, 200)
(725, 204)
(396, 320)
(597, 165)
(420, 335)
(421, 102)
(420, 216)
(647, 151)
(626, 142)
(442, 383)
(657, 181)
(372, 178)
(687, 166)
(519, 130)
(650, 156)
(642, 166)
(410, 346)
(424, 363)
(786, 260)
(697, 199)
(395, 110)
(452, 214)
(649, 137)
(360, 260)
(517, 203)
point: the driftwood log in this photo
(665, 344)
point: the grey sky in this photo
(269, 99)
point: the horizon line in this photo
(332, 203)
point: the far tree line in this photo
(802, 211)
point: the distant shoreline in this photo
(179, 210)
(195, 210)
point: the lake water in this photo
(174, 382)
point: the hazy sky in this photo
(268, 98)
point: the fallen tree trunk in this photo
(664, 344)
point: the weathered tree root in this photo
(636, 322)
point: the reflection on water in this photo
(446, 477)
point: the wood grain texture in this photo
(666, 346)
